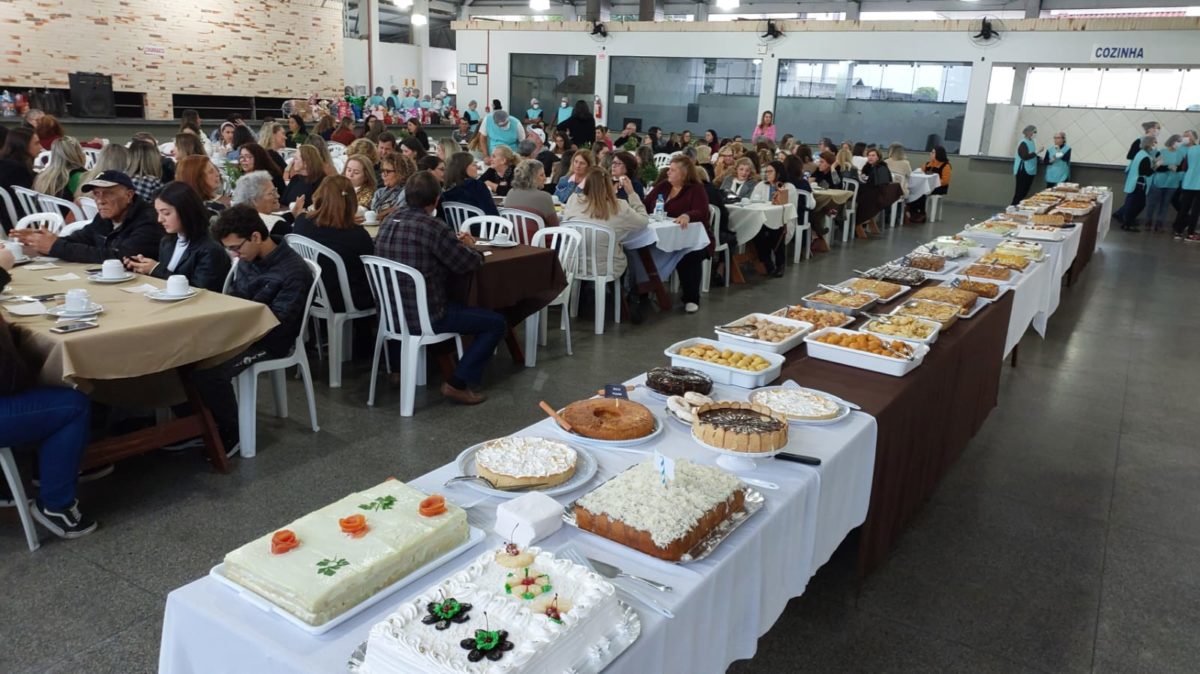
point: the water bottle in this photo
(660, 208)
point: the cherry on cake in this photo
(517, 462)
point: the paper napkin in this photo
(26, 308)
(142, 289)
(41, 266)
(69, 276)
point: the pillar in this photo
(420, 36)
(598, 11)
(372, 8)
(976, 112)
(651, 10)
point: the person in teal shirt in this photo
(1058, 161)
(1137, 175)
(534, 114)
(564, 111)
(499, 128)
(1025, 164)
(1189, 190)
(377, 99)
(1163, 184)
(409, 102)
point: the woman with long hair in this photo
(415, 131)
(189, 121)
(297, 131)
(871, 198)
(581, 161)
(412, 148)
(598, 202)
(367, 148)
(48, 131)
(463, 184)
(361, 174)
(445, 148)
(765, 128)
(308, 170)
(580, 127)
(64, 174)
(740, 182)
(344, 133)
(898, 164)
(114, 157)
(687, 205)
(712, 140)
(325, 127)
(145, 168)
(323, 149)
(331, 223)
(187, 249)
(938, 164)
(253, 157)
(200, 174)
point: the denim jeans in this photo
(1158, 204)
(487, 326)
(59, 419)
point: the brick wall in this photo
(214, 47)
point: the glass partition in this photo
(685, 93)
(549, 77)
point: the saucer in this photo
(61, 311)
(163, 296)
(500, 244)
(97, 278)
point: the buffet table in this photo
(1088, 239)
(722, 604)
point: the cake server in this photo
(488, 483)
(757, 482)
(609, 571)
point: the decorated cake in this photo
(609, 419)
(678, 380)
(666, 521)
(480, 620)
(329, 561)
(515, 462)
(740, 427)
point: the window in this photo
(685, 93)
(548, 78)
(1121, 88)
(1000, 87)
(933, 82)
(807, 79)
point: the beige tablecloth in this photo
(137, 337)
(828, 198)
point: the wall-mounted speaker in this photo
(92, 95)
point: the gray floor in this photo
(1064, 540)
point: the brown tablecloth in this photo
(925, 418)
(875, 198)
(1087, 242)
(515, 282)
(138, 339)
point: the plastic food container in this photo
(817, 304)
(937, 327)
(896, 367)
(882, 300)
(803, 328)
(724, 374)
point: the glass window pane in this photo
(685, 93)
(1118, 87)
(1000, 86)
(548, 77)
(1080, 87)
(807, 80)
(1043, 86)
(1159, 89)
(1189, 91)
(897, 81)
(865, 79)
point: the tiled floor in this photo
(1064, 540)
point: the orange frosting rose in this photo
(433, 506)
(355, 525)
(283, 540)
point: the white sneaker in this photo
(691, 307)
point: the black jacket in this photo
(349, 244)
(13, 173)
(139, 234)
(281, 281)
(205, 263)
(876, 174)
(299, 185)
(579, 129)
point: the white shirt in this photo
(181, 245)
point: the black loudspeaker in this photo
(92, 95)
(693, 113)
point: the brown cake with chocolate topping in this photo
(675, 381)
(740, 427)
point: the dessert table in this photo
(1105, 216)
(921, 184)
(1089, 238)
(721, 604)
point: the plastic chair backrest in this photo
(714, 222)
(42, 160)
(336, 149)
(167, 149)
(316, 283)
(385, 277)
(10, 209)
(522, 221)
(88, 204)
(56, 205)
(454, 212)
(311, 250)
(28, 199)
(563, 239)
(661, 159)
(489, 227)
(91, 155)
(590, 233)
(49, 221)
(229, 276)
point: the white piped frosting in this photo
(797, 403)
(517, 456)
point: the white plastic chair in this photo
(588, 269)
(91, 155)
(339, 163)
(523, 221)
(49, 221)
(10, 208)
(385, 277)
(55, 205)
(247, 381)
(13, 477)
(336, 149)
(851, 208)
(167, 149)
(934, 207)
(335, 321)
(661, 159)
(72, 227)
(454, 212)
(90, 209)
(287, 153)
(803, 247)
(489, 227)
(42, 160)
(714, 222)
(229, 276)
(28, 199)
(566, 241)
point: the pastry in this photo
(850, 301)
(515, 462)
(609, 419)
(726, 357)
(946, 314)
(861, 341)
(683, 407)
(740, 427)
(1029, 249)
(988, 271)
(762, 329)
(678, 380)
(820, 318)
(1001, 259)
(893, 273)
(981, 288)
(946, 250)
(948, 295)
(797, 404)
(926, 262)
(1051, 219)
(636, 509)
(902, 327)
(881, 288)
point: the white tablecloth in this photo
(1106, 205)
(722, 604)
(747, 220)
(671, 242)
(921, 184)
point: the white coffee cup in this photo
(112, 269)
(500, 237)
(370, 216)
(362, 211)
(77, 299)
(177, 284)
(15, 248)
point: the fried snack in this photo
(948, 295)
(728, 357)
(907, 327)
(820, 318)
(1005, 260)
(881, 288)
(861, 341)
(852, 301)
(981, 288)
(946, 314)
(763, 330)
(988, 271)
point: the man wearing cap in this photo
(125, 226)
(534, 114)
(564, 111)
(498, 128)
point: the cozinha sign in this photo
(1109, 53)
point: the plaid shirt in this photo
(412, 237)
(146, 187)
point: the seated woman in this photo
(332, 224)
(186, 144)
(322, 147)
(768, 243)
(201, 175)
(145, 168)
(56, 420)
(625, 164)
(568, 184)
(253, 157)
(527, 193)
(827, 176)
(704, 161)
(938, 164)
(361, 174)
(873, 196)
(686, 204)
(308, 170)
(598, 203)
(499, 175)
(258, 190)
(463, 185)
(344, 133)
(742, 181)
(845, 163)
(723, 167)
(416, 131)
(897, 163)
(187, 249)
(64, 174)
(224, 140)
(396, 171)
(242, 135)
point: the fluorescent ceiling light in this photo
(419, 19)
(539, 5)
(404, 4)
(727, 4)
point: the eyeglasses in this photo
(237, 248)
(387, 171)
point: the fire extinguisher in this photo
(599, 109)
